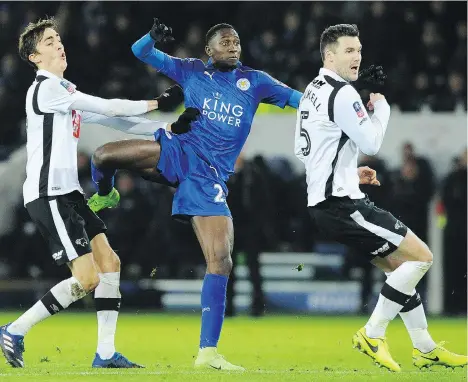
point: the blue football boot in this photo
(118, 361)
(12, 347)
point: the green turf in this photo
(272, 349)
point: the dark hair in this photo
(212, 31)
(331, 35)
(31, 36)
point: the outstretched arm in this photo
(61, 97)
(111, 107)
(129, 125)
(295, 99)
(143, 126)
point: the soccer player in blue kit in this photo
(200, 161)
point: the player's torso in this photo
(329, 156)
(227, 102)
(52, 144)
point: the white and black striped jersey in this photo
(52, 138)
(55, 111)
(332, 126)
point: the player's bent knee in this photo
(100, 157)
(412, 248)
(424, 254)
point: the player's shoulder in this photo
(263, 77)
(194, 64)
(54, 85)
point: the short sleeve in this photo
(272, 91)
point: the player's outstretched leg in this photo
(414, 259)
(107, 300)
(139, 155)
(58, 298)
(215, 234)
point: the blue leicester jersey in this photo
(227, 101)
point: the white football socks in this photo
(107, 298)
(395, 294)
(57, 299)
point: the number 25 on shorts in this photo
(219, 198)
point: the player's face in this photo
(50, 54)
(347, 57)
(225, 48)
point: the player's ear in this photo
(329, 56)
(208, 51)
(33, 57)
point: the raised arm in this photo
(351, 116)
(144, 49)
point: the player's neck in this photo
(223, 67)
(329, 66)
(56, 72)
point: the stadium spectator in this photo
(454, 197)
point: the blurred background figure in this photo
(413, 189)
(454, 198)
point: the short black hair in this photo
(331, 35)
(212, 31)
(31, 36)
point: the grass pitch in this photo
(276, 348)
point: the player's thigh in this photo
(104, 256)
(216, 237)
(412, 248)
(132, 154)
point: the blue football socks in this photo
(213, 301)
(103, 179)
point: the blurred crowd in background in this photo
(422, 46)
(268, 203)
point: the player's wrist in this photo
(152, 105)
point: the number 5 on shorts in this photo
(219, 198)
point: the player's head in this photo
(223, 45)
(341, 50)
(40, 46)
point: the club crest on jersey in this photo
(358, 109)
(243, 84)
(67, 85)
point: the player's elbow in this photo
(112, 113)
(136, 50)
(370, 149)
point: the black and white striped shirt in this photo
(332, 126)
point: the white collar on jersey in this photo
(332, 74)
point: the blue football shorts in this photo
(200, 192)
